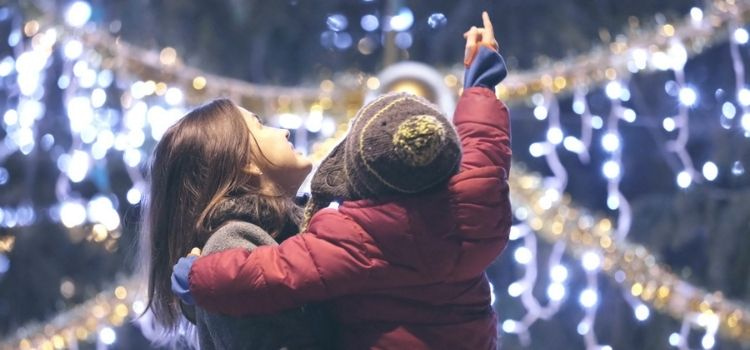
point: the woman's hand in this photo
(476, 37)
(180, 274)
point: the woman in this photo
(220, 172)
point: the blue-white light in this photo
(174, 96)
(6, 66)
(134, 196)
(675, 339)
(708, 341)
(591, 261)
(613, 90)
(611, 169)
(574, 145)
(610, 142)
(538, 149)
(556, 291)
(741, 36)
(729, 110)
(72, 214)
(684, 179)
(337, 22)
(554, 135)
(73, 49)
(369, 23)
(107, 336)
(540, 112)
(745, 121)
(515, 289)
(710, 171)
(509, 326)
(628, 115)
(523, 255)
(588, 298)
(668, 124)
(558, 273)
(688, 96)
(403, 20)
(642, 312)
(743, 96)
(597, 122)
(78, 14)
(78, 167)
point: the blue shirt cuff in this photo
(487, 70)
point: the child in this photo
(402, 259)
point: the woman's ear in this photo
(253, 169)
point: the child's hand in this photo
(195, 252)
(476, 37)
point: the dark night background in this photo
(702, 233)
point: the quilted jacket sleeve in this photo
(334, 258)
(480, 190)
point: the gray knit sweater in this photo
(302, 328)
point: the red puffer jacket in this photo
(406, 273)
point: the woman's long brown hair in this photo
(197, 166)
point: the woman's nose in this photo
(287, 134)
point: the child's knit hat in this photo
(398, 144)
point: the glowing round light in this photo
(588, 298)
(515, 233)
(6, 66)
(684, 179)
(678, 55)
(729, 110)
(559, 273)
(669, 124)
(574, 145)
(80, 113)
(537, 149)
(591, 261)
(78, 166)
(696, 14)
(583, 328)
(642, 312)
(342, 40)
(134, 196)
(540, 112)
(337, 22)
(515, 289)
(369, 22)
(613, 89)
(661, 61)
(132, 157)
(610, 142)
(509, 326)
(741, 36)
(556, 291)
(710, 171)
(628, 115)
(73, 49)
(290, 121)
(745, 121)
(737, 168)
(708, 341)
(611, 169)
(138, 307)
(613, 201)
(555, 135)
(107, 336)
(688, 96)
(579, 107)
(98, 97)
(743, 96)
(437, 20)
(675, 339)
(403, 40)
(640, 59)
(522, 255)
(173, 96)
(4, 176)
(597, 122)
(78, 14)
(72, 214)
(403, 20)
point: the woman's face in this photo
(286, 167)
